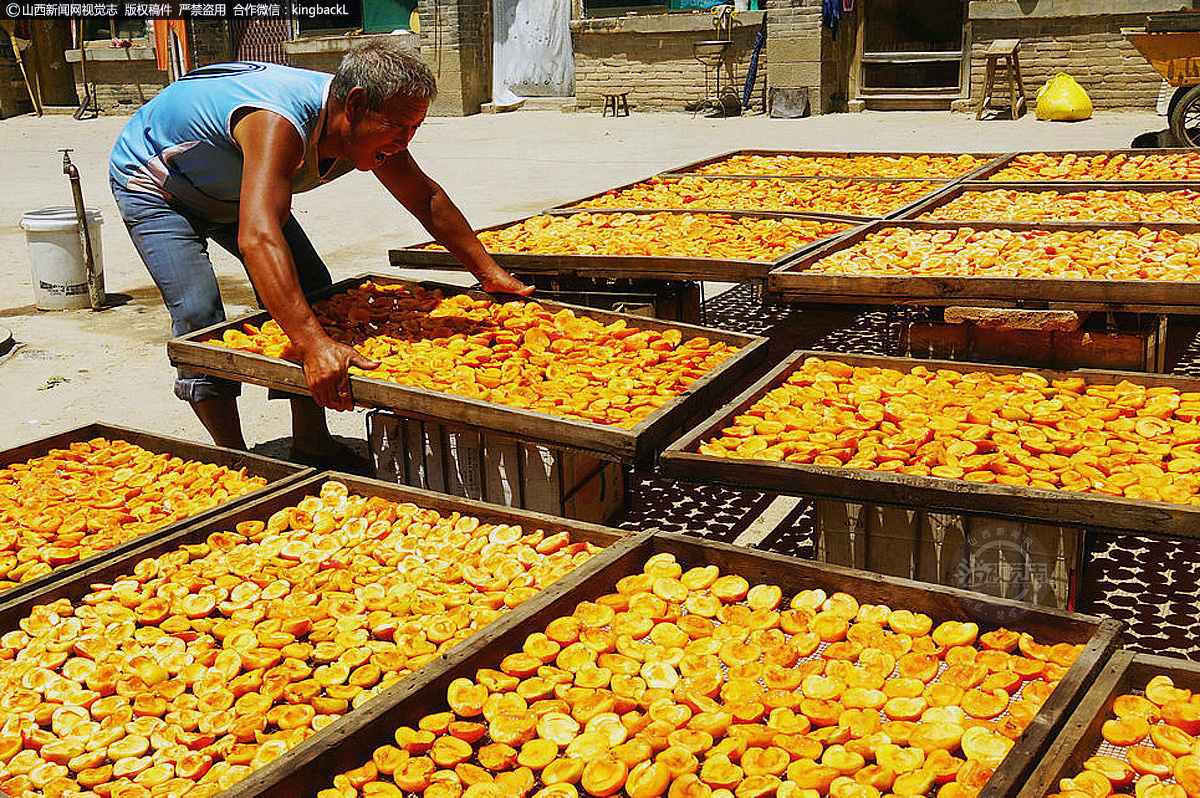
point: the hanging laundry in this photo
(831, 14)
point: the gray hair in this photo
(384, 68)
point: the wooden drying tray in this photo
(276, 472)
(73, 589)
(645, 267)
(347, 744)
(948, 195)
(682, 460)
(576, 206)
(991, 157)
(1126, 672)
(795, 283)
(986, 173)
(626, 445)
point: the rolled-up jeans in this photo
(173, 243)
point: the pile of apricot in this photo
(853, 197)
(1142, 254)
(1018, 429)
(1070, 206)
(664, 235)
(942, 167)
(515, 353)
(209, 661)
(1156, 732)
(695, 684)
(73, 503)
(1103, 166)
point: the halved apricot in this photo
(604, 776)
(1154, 761)
(1126, 731)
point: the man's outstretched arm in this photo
(433, 208)
(271, 150)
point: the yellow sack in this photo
(1063, 100)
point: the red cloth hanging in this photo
(162, 39)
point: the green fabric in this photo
(380, 16)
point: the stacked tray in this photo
(796, 281)
(612, 442)
(827, 172)
(274, 473)
(829, 163)
(656, 267)
(310, 539)
(1085, 738)
(683, 460)
(309, 769)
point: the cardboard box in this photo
(495, 468)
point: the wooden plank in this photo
(1080, 736)
(658, 267)
(348, 743)
(277, 473)
(794, 281)
(681, 460)
(630, 445)
(1124, 350)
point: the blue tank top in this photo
(180, 145)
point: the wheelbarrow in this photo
(1171, 43)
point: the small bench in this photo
(1002, 54)
(618, 102)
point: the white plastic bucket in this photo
(56, 256)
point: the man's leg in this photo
(220, 417)
(176, 255)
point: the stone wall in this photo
(14, 97)
(794, 48)
(456, 42)
(1087, 46)
(653, 60)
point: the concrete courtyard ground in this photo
(72, 367)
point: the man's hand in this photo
(504, 283)
(325, 366)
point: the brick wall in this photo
(209, 40)
(657, 69)
(1090, 49)
(456, 42)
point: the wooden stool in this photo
(1005, 49)
(618, 102)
